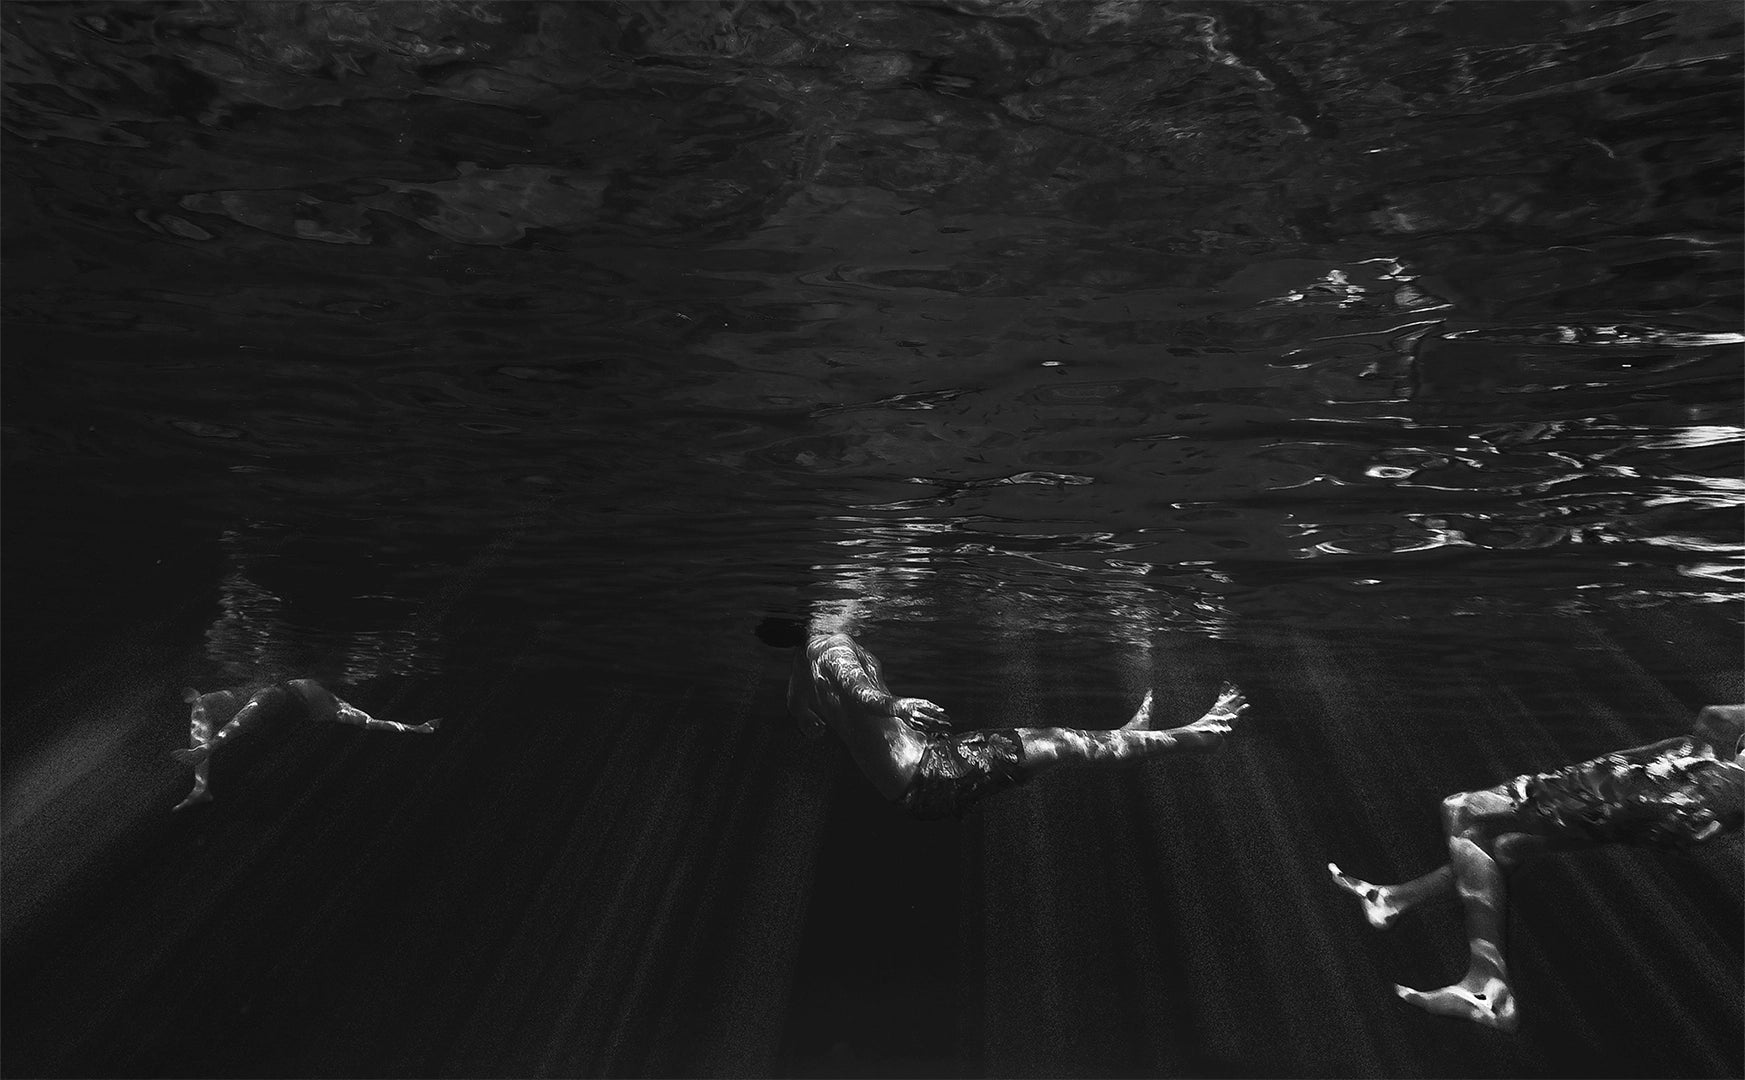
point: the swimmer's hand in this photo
(922, 715)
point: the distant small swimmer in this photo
(910, 752)
(232, 712)
(1674, 793)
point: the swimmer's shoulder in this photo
(822, 643)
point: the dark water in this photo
(510, 361)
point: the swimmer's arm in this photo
(840, 669)
(839, 666)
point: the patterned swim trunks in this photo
(1673, 800)
(956, 770)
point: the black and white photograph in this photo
(858, 538)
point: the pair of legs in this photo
(1487, 834)
(952, 771)
(231, 714)
(1048, 748)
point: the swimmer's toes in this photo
(1232, 702)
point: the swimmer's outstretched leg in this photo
(351, 714)
(1046, 748)
(323, 704)
(1383, 904)
(199, 734)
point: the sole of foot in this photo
(1378, 912)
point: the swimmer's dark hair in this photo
(782, 631)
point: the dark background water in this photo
(508, 362)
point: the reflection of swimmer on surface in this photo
(234, 711)
(907, 748)
(1670, 794)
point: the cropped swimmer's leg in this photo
(1486, 831)
(1047, 748)
(351, 714)
(199, 734)
(1382, 904)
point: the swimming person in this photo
(908, 749)
(1670, 794)
(241, 710)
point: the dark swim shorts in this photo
(956, 770)
(1673, 800)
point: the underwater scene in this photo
(482, 480)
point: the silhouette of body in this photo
(231, 712)
(907, 748)
(1669, 794)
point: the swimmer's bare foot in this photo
(195, 798)
(427, 727)
(1227, 709)
(192, 755)
(1378, 907)
(1142, 719)
(1481, 998)
(1208, 732)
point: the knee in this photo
(1513, 849)
(1050, 747)
(1459, 811)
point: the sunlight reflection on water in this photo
(1129, 314)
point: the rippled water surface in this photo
(1131, 315)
